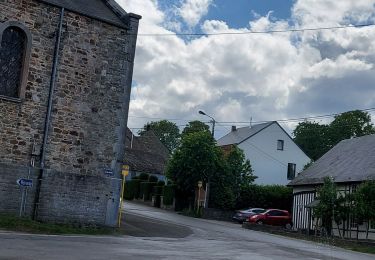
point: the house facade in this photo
(271, 151)
(349, 163)
(145, 154)
(65, 79)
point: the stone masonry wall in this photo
(89, 115)
(74, 198)
(11, 193)
(21, 124)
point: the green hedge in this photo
(168, 194)
(131, 189)
(267, 196)
(145, 189)
(153, 178)
(161, 183)
(157, 190)
(143, 176)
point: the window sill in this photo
(10, 99)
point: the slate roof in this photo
(105, 10)
(351, 160)
(145, 153)
(242, 134)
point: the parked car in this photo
(274, 217)
(242, 215)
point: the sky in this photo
(251, 77)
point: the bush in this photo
(157, 190)
(268, 196)
(161, 183)
(168, 194)
(145, 189)
(143, 176)
(131, 190)
(153, 178)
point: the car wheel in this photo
(288, 226)
(260, 222)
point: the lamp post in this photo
(207, 193)
(213, 121)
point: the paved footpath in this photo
(157, 234)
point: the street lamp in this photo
(213, 121)
(207, 193)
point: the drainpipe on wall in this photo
(49, 112)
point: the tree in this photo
(196, 159)
(327, 196)
(237, 175)
(199, 159)
(195, 126)
(316, 139)
(350, 124)
(364, 203)
(240, 168)
(312, 138)
(167, 132)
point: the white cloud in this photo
(263, 76)
(193, 10)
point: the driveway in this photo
(157, 234)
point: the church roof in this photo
(104, 10)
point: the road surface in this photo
(157, 234)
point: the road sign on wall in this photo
(25, 182)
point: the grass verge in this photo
(13, 223)
(358, 246)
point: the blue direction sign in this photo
(25, 182)
(109, 172)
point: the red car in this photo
(274, 217)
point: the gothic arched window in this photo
(15, 45)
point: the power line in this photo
(260, 32)
(236, 33)
(300, 118)
(222, 123)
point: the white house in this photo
(271, 151)
(349, 163)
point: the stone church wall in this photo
(89, 116)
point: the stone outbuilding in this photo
(65, 80)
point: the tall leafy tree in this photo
(316, 139)
(199, 159)
(350, 124)
(196, 159)
(167, 132)
(237, 175)
(195, 126)
(312, 138)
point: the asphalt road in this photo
(157, 234)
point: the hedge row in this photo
(145, 189)
(267, 196)
(136, 189)
(168, 194)
(132, 189)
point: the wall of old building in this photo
(89, 115)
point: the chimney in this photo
(234, 128)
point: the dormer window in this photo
(280, 145)
(15, 45)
